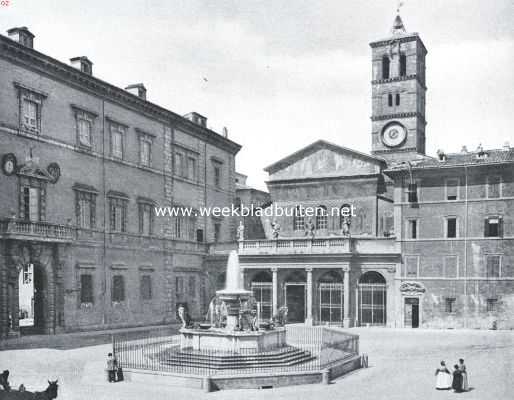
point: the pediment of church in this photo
(323, 159)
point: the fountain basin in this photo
(236, 341)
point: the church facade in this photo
(431, 239)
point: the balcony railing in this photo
(29, 230)
(363, 245)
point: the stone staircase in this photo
(283, 357)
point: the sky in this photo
(281, 74)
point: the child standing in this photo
(111, 368)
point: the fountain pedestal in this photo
(223, 341)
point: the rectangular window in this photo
(192, 286)
(86, 209)
(411, 266)
(191, 168)
(118, 288)
(449, 304)
(452, 189)
(451, 227)
(450, 266)
(217, 231)
(84, 131)
(146, 287)
(117, 137)
(491, 305)
(217, 174)
(179, 164)
(30, 115)
(493, 266)
(86, 288)
(145, 152)
(412, 227)
(145, 219)
(179, 286)
(493, 187)
(31, 202)
(118, 214)
(493, 227)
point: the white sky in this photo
(284, 73)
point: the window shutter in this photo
(486, 227)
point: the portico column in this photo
(274, 288)
(308, 320)
(346, 295)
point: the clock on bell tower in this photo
(398, 95)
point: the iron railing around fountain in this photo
(308, 349)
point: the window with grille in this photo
(86, 288)
(492, 305)
(146, 287)
(321, 217)
(493, 265)
(118, 288)
(298, 219)
(449, 303)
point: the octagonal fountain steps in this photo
(284, 357)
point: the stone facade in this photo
(73, 204)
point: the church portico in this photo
(322, 289)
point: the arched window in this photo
(385, 67)
(372, 295)
(390, 100)
(321, 217)
(403, 65)
(397, 99)
(298, 219)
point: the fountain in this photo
(232, 337)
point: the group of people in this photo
(456, 380)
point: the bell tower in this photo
(398, 95)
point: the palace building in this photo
(83, 165)
(431, 243)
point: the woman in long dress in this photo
(443, 378)
(465, 383)
(457, 379)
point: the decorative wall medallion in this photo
(55, 171)
(412, 288)
(9, 164)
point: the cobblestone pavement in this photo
(401, 366)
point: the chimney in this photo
(83, 64)
(22, 35)
(197, 119)
(137, 89)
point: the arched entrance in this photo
(261, 287)
(372, 299)
(295, 289)
(330, 287)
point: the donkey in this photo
(49, 394)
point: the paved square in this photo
(402, 365)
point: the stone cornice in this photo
(399, 79)
(397, 116)
(41, 63)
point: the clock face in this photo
(394, 135)
(9, 164)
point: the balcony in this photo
(329, 245)
(40, 231)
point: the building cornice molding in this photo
(399, 79)
(398, 116)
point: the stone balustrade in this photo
(321, 245)
(41, 231)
